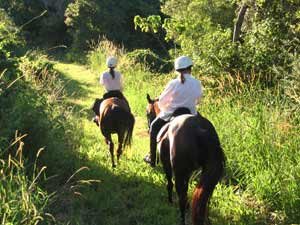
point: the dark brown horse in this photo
(187, 144)
(115, 117)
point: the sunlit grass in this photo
(257, 135)
(257, 130)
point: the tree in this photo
(88, 20)
(239, 22)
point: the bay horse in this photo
(187, 144)
(115, 117)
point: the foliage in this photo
(290, 82)
(39, 20)
(32, 102)
(199, 30)
(100, 51)
(151, 23)
(150, 60)
(10, 43)
(20, 195)
(89, 20)
(203, 30)
(262, 135)
(257, 129)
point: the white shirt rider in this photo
(111, 84)
(177, 94)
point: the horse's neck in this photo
(156, 108)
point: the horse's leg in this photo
(120, 140)
(165, 159)
(111, 149)
(168, 171)
(181, 185)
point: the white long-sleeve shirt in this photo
(177, 94)
(111, 84)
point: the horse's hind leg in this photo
(181, 185)
(165, 159)
(111, 149)
(168, 171)
(120, 146)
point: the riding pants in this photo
(155, 127)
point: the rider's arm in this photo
(101, 81)
(165, 96)
(121, 83)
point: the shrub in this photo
(11, 44)
(89, 20)
(150, 60)
(21, 198)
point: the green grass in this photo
(260, 142)
(258, 129)
(129, 194)
(22, 200)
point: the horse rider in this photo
(112, 81)
(183, 92)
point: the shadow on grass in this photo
(131, 194)
(75, 90)
(62, 53)
(119, 198)
(123, 197)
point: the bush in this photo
(89, 20)
(21, 198)
(149, 59)
(30, 105)
(11, 44)
(269, 34)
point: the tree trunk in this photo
(239, 23)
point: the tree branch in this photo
(239, 22)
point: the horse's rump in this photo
(163, 131)
(114, 102)
(189, 144)
(113, 114)
(115, 117)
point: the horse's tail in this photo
(129, 124)
(210, 176)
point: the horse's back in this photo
(191, 140)
(113, 103)
(113, 114)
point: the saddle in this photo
(178, 112)
(111, 94)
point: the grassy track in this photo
(134, 193)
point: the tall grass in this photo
(22, 199)
(259, 133)
(258, 126)
(35, 104)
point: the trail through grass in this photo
(133, 193)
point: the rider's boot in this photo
(152, 157)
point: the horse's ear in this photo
(149, 99)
